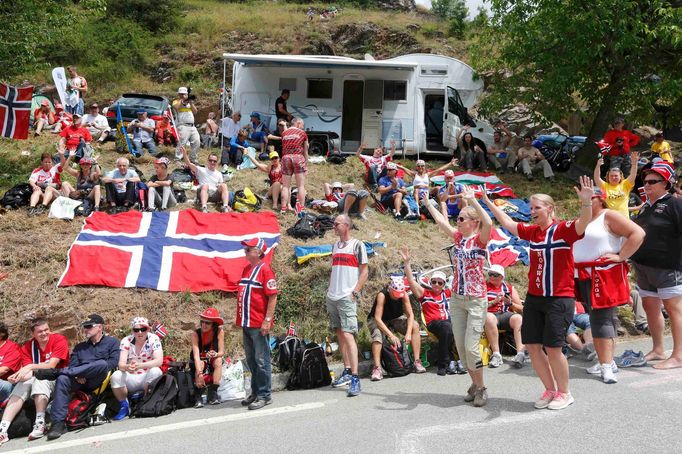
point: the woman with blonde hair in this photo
(550, 303)
(469, 304)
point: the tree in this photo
(560, 56)
(455, 12)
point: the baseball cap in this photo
(45, 102)
(76, 115)
(141, 111)
(255, 115)
(499, 269)
(273, 155)
(182, 90)
(257, 243)
(420, 162)
(163, 161)
(663, 169)
(140, 321)
(391, 166)
(85, 161)
(93, 319)
(449, 174)
(439, 275)
(396, 287)
(337, 184)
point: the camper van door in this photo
(455, 116)
(372, 112)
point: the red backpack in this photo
(80, 411)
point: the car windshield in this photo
(144, 103)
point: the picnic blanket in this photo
(517, 209)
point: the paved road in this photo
(414, 414)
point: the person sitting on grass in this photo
(375, 164)
(470, 153)
(87, 183)
(96, 123)
(504, 312)
(392, 190)
(257, 131)
(350, 201)
(274, 171)
(450, 197)
(436, 311)
(661, 149)
(46, 184)
(10, 362)
(138, 364)
(143, 133)
(206, 357)
(120, 185)
(74, 136)
(532, 160)
(161, 187)
(165, 134)
(45, 350)
(392, 310)
(43, 117)
(211, 186)
(581, 320)
(238, 147)
(421, 178)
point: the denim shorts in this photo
(581, 321)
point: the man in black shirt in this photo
(281, 107)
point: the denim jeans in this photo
(140, 146)
(94, 374)
(257, 349)
(5, 389)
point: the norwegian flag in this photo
(15, 110)
(168, 251)
(160, 330)
(505, 249)
(494, 190)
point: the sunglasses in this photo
(462, 219)
(213, 160)
(87, 326)
(494, 275)
(438, 282)
(140, 330)
(648, 182)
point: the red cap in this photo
(257, 243)
(212, 315)
(45, 102)
(663, 169)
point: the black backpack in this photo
(336, 158)
(286, 352)
(80, 410)
(160, 400)
(310, 369)
(18, 196)
(183, 379)
(23, 422)
(396, 361)
(305, 228)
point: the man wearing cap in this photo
(74, 136)
(350, 201)
(392, 190)
(45, 350)
(211, 186)
(504, 312)
(258, 132)
(392, 311)
(161, 187)
(43, 117)
(143, 133)
(450, 196)
(184, 115)
(89, 364)
(96, 123)
(138, 364)
(256, 302)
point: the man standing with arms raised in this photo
(184, 115)
(349, 274)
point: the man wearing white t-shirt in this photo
(349, 274)
(96, 123)
(211, 186)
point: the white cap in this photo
(182, 90)
(499, 269)
(439, 275)
(337, 184)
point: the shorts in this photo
(387, 199)
(31, 387)
(546, 320)
(601, 322)
(581, 321)
(293, 163)
(503, 319)
(397, 324)
(214, 196)
(343, 314)
(658, 282)
(359, 195)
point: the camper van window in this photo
(287, 83)
(395, 90)
(456, 107)
(320, 88)
(431, 71)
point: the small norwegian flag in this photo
(642, 194)
(15, 111)
(160, 330)
(292, 329)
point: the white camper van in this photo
(420, 100)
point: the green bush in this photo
(156, 16)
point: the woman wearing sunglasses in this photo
(658, 262)
(138, 365)
(469, 301)
(421, 178)
(274, 171)
(550, 303)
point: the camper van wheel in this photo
(318, 147)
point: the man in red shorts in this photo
(294, 158)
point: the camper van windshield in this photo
(456, 107)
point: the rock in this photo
(413, 27)
(163, 73)
(397, 5)
(646, 133)
(522, 121)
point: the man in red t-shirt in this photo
(44, 351)
(294, 158)
(256, 301)
(10, 361)
(72, 135)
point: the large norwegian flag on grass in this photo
(15, 111)
(169, 251)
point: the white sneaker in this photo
(545, 399)
(561, 401)
(38, 431)
(596, 368)
(495, 361)
(607, 374)
(518, 360)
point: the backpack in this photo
(286, 351)
(80, 411)
(396, 361)
(309, 369)
(18, 196)
(336, 158)
(324, 222)
(181, 176)
(246, 200)
(160, 400)
(183, 379)
(305, 228)
(180, 195)
(22, 425)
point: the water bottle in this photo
(247, 383)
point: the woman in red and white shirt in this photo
(469, 300)
(46, 184)
(550, 303)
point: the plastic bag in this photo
(232, 382)
(247, 163)
(63, 208)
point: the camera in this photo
(190, 96)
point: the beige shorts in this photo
(397, 324)
(31, 387)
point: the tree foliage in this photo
(561, 56)
(156, 16)
(455, 12)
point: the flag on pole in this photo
(15, 111)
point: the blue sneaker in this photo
(354, 388)
(343, 380)
(631, 360)
(123, 412)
